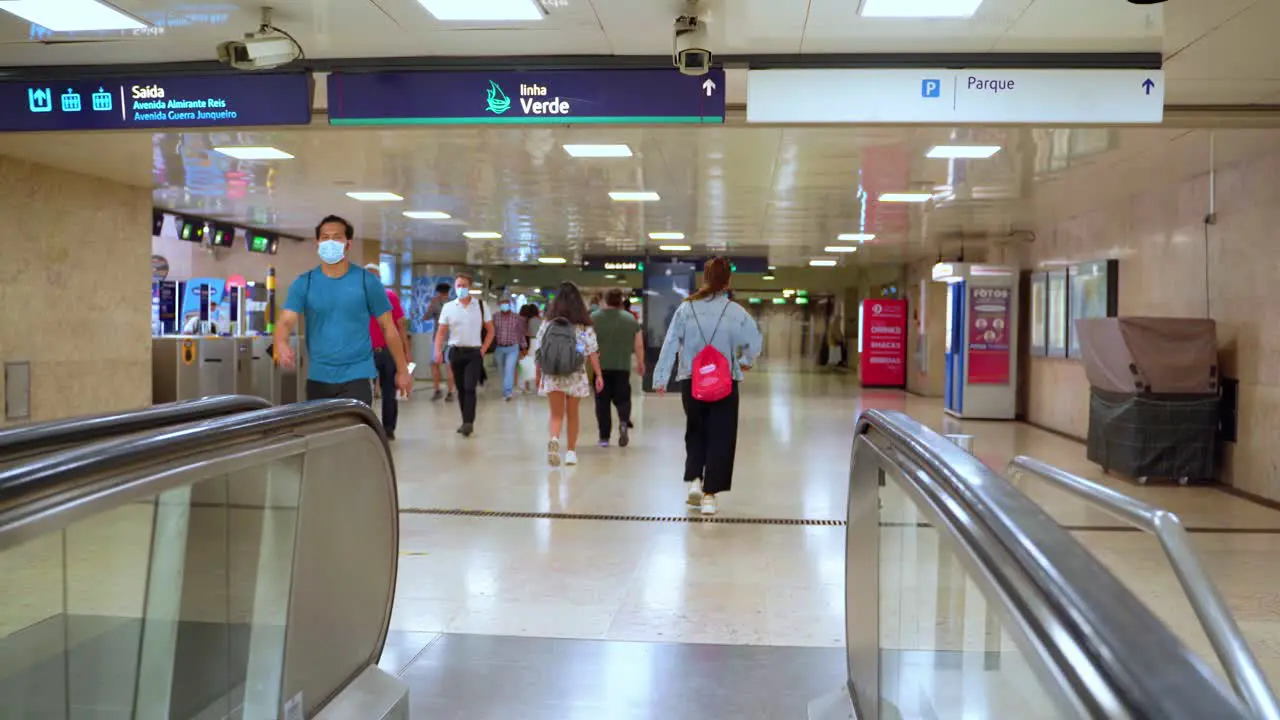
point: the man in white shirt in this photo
(466, 324)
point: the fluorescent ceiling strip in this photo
(426, 215)
(666, 236)
(840, 248)
(966, 152)
(919, 8)
(856, 237)
(635, 196)
(822, 263)
(551, 260)
(675, 248)
(374, 196)
(245, 152)
(483, 10)
(598, 151)
(72, 15)
(482, 235)
(906, 197)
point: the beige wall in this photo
(75, 289)
(1145, 204)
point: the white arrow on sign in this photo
(709, 85)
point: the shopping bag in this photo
(526, 369)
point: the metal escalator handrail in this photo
(27, 439)
(1220, 627)
(52, 470)
(1148, 666)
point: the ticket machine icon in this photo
(70, 101)
(102, 100)
(40, 99)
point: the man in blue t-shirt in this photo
(337, 300)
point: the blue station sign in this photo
(561, 97)
(155, 103)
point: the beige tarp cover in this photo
(1158, 355)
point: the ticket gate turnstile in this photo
(187, 368)
(272, 382)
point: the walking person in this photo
(466, 325)
(621, 350)
(510, 340)
(337, 300)
(432, 318)
(718, 336)
(565, 346)
(382, 360)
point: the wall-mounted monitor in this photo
(258, 242)
(222, 236)
(190, 229)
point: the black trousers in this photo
(361, 390)
(710, 439)
(616, 393)
(387, 383)
(467, 364)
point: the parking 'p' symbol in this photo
(931, 88)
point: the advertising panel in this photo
(883, 362)
(989, 333)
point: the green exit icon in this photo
(496, 101)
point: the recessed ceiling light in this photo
(767, 277)
(906, 197)
(482, 235)
(374, 196)
(483, 10)
(426, 215)
(598, 151)
(856, 237)
(666, 236)
(72, 15)
(788, 292)
(635, 196)
(919, 8)
(675, 248)
(963, 151)
(822, 263)
(610, 277)
(551, 260)
(840, 248)
(773, 267)
(253, 153)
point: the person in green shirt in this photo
(618, 333)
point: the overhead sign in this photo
(613, 264)
(149, 103)
(955, 96)
(525, 97)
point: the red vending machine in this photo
(882, 343)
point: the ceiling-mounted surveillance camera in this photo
(689, 57)
(269, 47)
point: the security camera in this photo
(257, 53)
(688, 55)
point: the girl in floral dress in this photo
(565, 392)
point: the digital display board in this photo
(243, 99)
(261, 243)
(564, 97)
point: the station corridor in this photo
(494, 543)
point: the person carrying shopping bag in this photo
(716, 339)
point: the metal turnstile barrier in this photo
(188, 368)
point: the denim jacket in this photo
(737, 337)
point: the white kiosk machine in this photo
(981, 340)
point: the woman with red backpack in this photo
(716, 339)
(565, 343)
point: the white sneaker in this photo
(695, 493)
(553, 452)
(708, 505)
(571, 458)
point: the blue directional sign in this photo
(564, 97)
(156, 102)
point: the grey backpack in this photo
(559, 354)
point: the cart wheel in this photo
(1184, 481)
(1142, 480)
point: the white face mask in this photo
(462, 290)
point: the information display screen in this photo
(149, 103)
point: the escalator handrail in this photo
(30, 439)
(1215, 617)
(1145, 662)
(53, 470)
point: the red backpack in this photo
(712, 377)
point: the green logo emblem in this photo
(496, 101)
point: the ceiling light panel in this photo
(906, 197)
(248, 152)
(666, 236)
(840, 248)
(374, 196)
(919, 8)
(551, 260)
(482, 235)
(635, 196)
(427, 215)
(856, 237)
(822, 263)
(72, 15)
(598, 151)
(675, 248)
(483, 10)
(967, 152)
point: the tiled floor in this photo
(748, 584)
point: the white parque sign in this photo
(945, 96)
